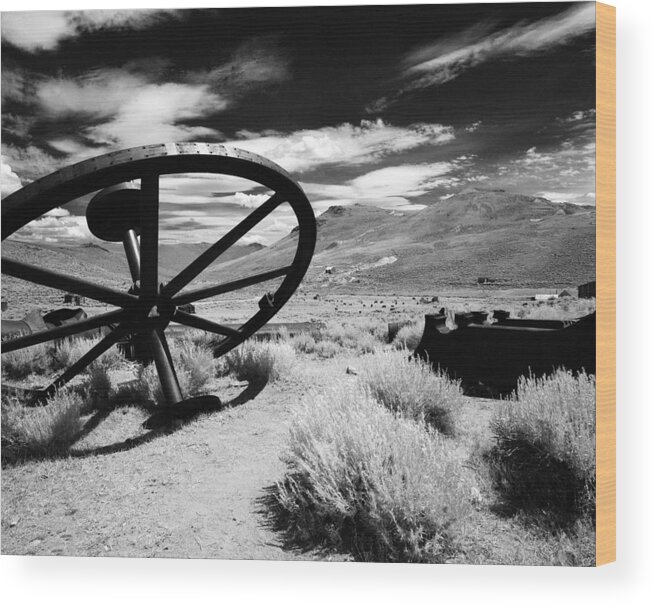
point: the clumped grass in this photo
(99, 386)
(260, 362)
(196, 362)
(18, 365)
(68, 351)
(543, 459)
(41, 431)
(194, 365)
(303, 343)
(48, 358)
(409, 336)
(327, 349)
(364, 480)
(409, 386)
(362, 338)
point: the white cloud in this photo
(471, 128)
(577, 116)
(132, 110)
(202, 186)
(56, 228)
(389, 187)
(43, 30)
(250, 200)
(368, 142)
(31, 162)
(100, 94)
(559, 196)
(447, 58)
(57, 212)
(154, 114)
(10, 180)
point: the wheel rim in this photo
(153, 306)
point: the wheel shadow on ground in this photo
(166, 424)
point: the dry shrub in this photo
(194, 365)
(327, 349)
(410, 387)
(409, 336)
(195, 361)
(303, 343)
(259, 362)
(544, 457)
(351, 336)
(41, 431)
(68, 351)
(19, 364)
(362, 479)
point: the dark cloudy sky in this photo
(393, 106)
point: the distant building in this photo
(565, 293)
(73, 299)
(549, 297)
(484, 280)
(329, 270)
(587, 291)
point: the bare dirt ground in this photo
(197, 492)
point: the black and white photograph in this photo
(301, 283)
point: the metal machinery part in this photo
(488, 358)
(130, 214)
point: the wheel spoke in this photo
(149, 234)
(45, 277)
(131, 246)
(95, 352)
(217, 249)
(182, 317)
(211, 291)
(63, 331)
(165, 368)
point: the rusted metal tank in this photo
(35, 321)
(489, 355)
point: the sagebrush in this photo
(260, 362)
(410, 387)
(544, 455)
(365, 480)
(41, 431)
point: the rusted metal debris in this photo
(489, 355)
(34, 322)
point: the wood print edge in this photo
(606, 283)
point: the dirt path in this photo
(193, 493)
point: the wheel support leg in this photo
(159, 347)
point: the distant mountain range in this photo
(513, 240)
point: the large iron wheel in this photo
(122, 214)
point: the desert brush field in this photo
(332, 444)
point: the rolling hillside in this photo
(513, 239)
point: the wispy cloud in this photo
(36, 31)
(390, 187)
(145, 101)
(366, 143)
(449, 57)
(563, 170)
